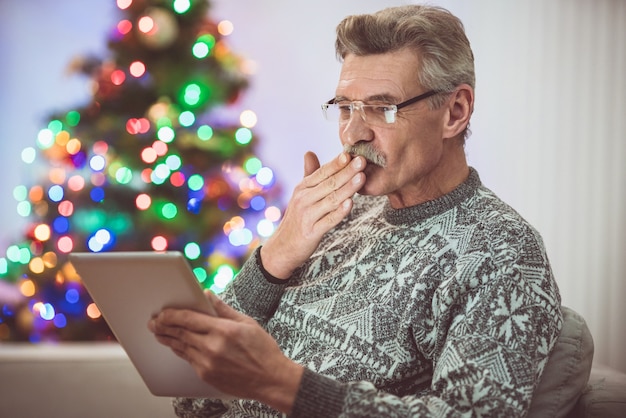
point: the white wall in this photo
(548, 130)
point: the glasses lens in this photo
(377, 115)
(335, 112)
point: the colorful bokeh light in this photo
(152, 162)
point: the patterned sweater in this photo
(444, 309)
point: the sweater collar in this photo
(417, 213)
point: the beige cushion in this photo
(567, 372)
(605, 396)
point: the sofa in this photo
(571, 385)
(97, 380)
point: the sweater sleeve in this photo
(252, 294)
(492, 343)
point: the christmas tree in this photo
(160, 158)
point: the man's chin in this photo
(368, 191)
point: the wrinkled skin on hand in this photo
(230, 351)
(318, 204)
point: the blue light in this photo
(61, 225)
(101, 240)
(257, 203)
(60, 321)
(47, 312)
(72, 296)
(55, 193)
(194, 205)
(97, 194)
(79, 159)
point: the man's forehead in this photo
(390, 75)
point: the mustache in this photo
(367, 151)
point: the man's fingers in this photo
(171, 319)
(184, 345)
(333, 175)
(316, 173)
(311, 163)
(223, 309)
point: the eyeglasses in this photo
(374, 114)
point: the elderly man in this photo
(396, 283)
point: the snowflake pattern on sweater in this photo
(448, 308)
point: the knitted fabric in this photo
(448, 308)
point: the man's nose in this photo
(356, 129)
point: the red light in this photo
(159, 243)
(177, 179)
(118, 77)
(124, 26)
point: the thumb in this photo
(222, 309)
(311, 163)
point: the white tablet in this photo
(129, 288)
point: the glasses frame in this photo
(393, 107)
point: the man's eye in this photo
(344, 109)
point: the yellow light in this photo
(93, 312)
(27, 287)
(49, 259)
(69, 272)
(36, 265)
(57, 175)
(42, 232)
(37, 307)
(59, 278)
(236, 222)
(73, 146)
(248, 118)
(225, 27)
(62, 138)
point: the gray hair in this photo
(436, 35)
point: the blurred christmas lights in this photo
(146, 165)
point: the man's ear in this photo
(460, 106)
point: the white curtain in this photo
(550, 138)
